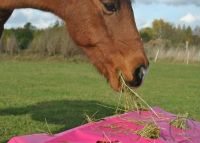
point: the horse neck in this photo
(54, 6)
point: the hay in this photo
(133, 101)
(180, 121)
(49, 131)
(91, 119)
(150, 130)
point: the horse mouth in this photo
(135, 83)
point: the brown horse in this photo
(104, 29)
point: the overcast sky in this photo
(175, 11)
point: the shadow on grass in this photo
(68, 113)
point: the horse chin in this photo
(115, 83)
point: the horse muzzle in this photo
(138, 75)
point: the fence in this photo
(186, 55)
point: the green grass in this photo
(61, 93)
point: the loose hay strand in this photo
(49, 131)
(90, 119)
(118, 104)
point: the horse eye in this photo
(110, 7)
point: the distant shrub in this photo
(9, 45)
(54, 41)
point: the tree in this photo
(196, 31)
(147, 34)
(29, 26)
(24, 35)
(188, 34)
(162, 29)
(11, 46)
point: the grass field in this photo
(40, 96)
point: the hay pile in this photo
(180, 121)
(150, 130)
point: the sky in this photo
(174, 11)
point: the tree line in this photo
(51, 41)
(56, 41)
(175, 36)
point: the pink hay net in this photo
(121, 129)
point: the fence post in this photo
(157, 53)
(178, 54)
(199, 56)
(187, 52)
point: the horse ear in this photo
(4, 16)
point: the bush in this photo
(9, 45)
(54, 41)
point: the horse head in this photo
(105, 30)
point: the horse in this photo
(104, 29)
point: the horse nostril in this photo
(138, 75)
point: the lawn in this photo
(52, 96)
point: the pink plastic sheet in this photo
(121, 129)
